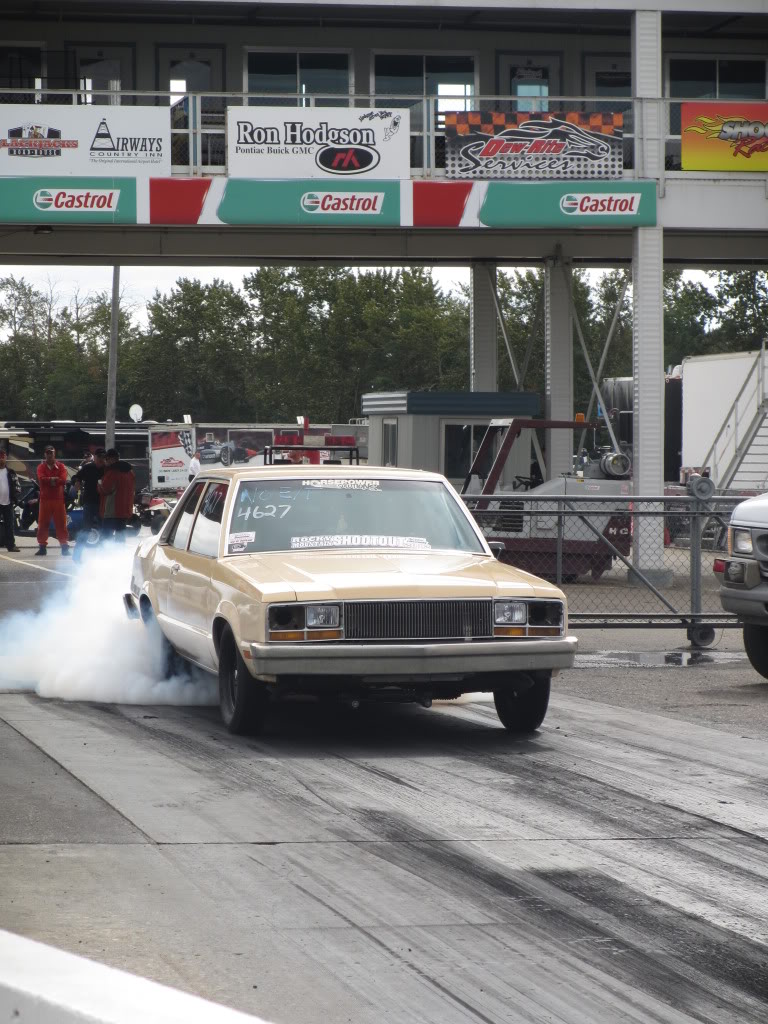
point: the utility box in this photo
(441, 431)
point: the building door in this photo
(107, 68)
(190, 76)
(531, 80)
(608, 78)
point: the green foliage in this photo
(312, 340)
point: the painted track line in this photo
(34, 565)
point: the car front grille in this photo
(418, 620)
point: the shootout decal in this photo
(361, 540)
(526, 145)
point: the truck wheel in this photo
(242, 699)
(522, 704)
(701, 636)
(756, 646)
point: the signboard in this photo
(724, 136)
(172, 446)
(328, 142)
(48, 139)
(63, 200)
(533, 145)
(341, 204)
(582, 204)
(170, 449)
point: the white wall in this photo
(710, 386)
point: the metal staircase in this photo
(738, 457)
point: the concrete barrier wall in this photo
(42, 985)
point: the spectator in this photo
(52, 478)
(87, 480)
(10, 492)
(194, 466)
(117, 488)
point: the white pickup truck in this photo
(743, 577)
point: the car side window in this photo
(179, 534)
(207, 529)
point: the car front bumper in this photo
(418, 661)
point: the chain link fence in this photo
(622, 561)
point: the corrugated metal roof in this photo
(453, 403)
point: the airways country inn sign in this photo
(48, 139)
(330, 142)
(538, 146)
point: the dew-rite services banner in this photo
(87, 140)
(724, 136)
(533, 145)
(328, 142)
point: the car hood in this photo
(752, 512)
(321, 576)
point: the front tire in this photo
(522, 704)
(242, 699)
(756, 646)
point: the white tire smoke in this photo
(81, 646)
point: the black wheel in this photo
(701, 636)
(225, 455)
(522, 704)
(172, 663)
(242, 699)
(756, 646)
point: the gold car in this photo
(359, 582)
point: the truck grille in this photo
(418, 620)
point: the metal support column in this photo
(558, 340)
(483, 355)
(648, 372)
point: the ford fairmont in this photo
(359, 583)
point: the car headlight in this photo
(742, 542)
(323, 616)
(510, 613)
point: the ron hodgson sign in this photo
(582, 204)
(724, 136)
(342, 203)
(55, 140)
(523, 145)
(331, 143)
(68, 200)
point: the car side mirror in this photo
(497, 547)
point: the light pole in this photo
(112, 365)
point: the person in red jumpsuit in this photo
(52, 478)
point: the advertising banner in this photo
(533, 145)
(66, 200)
(48, 139)
(570, 204)
(170, 449)
(724, 136)
(328, 142)
(340, 204)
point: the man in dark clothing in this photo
(87, 480)
(10, 492)
(116, 488)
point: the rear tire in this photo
(756, 646)
(243, 700)
(522, 704)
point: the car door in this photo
(173, 540)
(191, 601)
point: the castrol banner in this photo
(68, 200)
(89, 140)
(534, 146)
(334, 143)
(724, 136)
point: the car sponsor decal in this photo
(340, 484)
(247, 537)
(360, 540)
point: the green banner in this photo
(569, 204)
(68, 200)
(343, 204)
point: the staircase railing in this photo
(740, 425)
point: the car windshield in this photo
(340, 512)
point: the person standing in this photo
(87, 479)
(52, 478)
(10, 492)
(117, 489)
(194, 466)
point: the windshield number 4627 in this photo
(269, 511)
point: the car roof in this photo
(303, 471)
